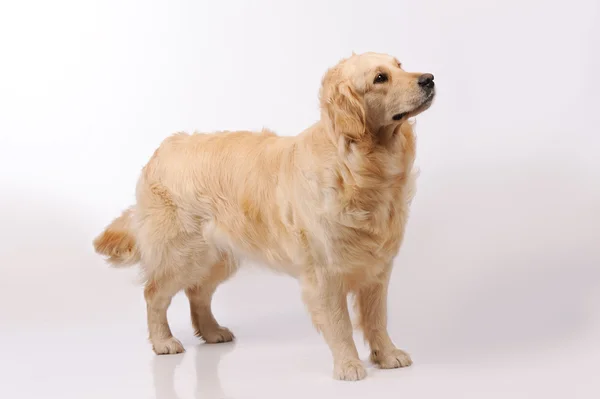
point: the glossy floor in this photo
(92, 354)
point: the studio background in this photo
(495, 293)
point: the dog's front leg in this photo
(325, 298)
(371, 305)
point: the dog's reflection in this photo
(163, 373)
(206, 358)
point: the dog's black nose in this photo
(426, 81)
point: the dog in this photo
(328, 207)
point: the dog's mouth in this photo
(422, 107)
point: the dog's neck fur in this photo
(384, 153)
(360, 176)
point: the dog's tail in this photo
(117, 242)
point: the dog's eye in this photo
(381, 78)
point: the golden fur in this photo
(328, 207)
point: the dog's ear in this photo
(346, 112)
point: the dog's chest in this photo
(367, 233)
(366, 201)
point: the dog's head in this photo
(369, 92)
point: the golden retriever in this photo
(328, 206)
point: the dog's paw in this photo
(352, 370)
(392, 359)
(218, 335)
(169, 346)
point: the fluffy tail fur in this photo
(117, 242)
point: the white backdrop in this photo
(496, 290)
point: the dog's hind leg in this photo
(158, 294)
(200, 297)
